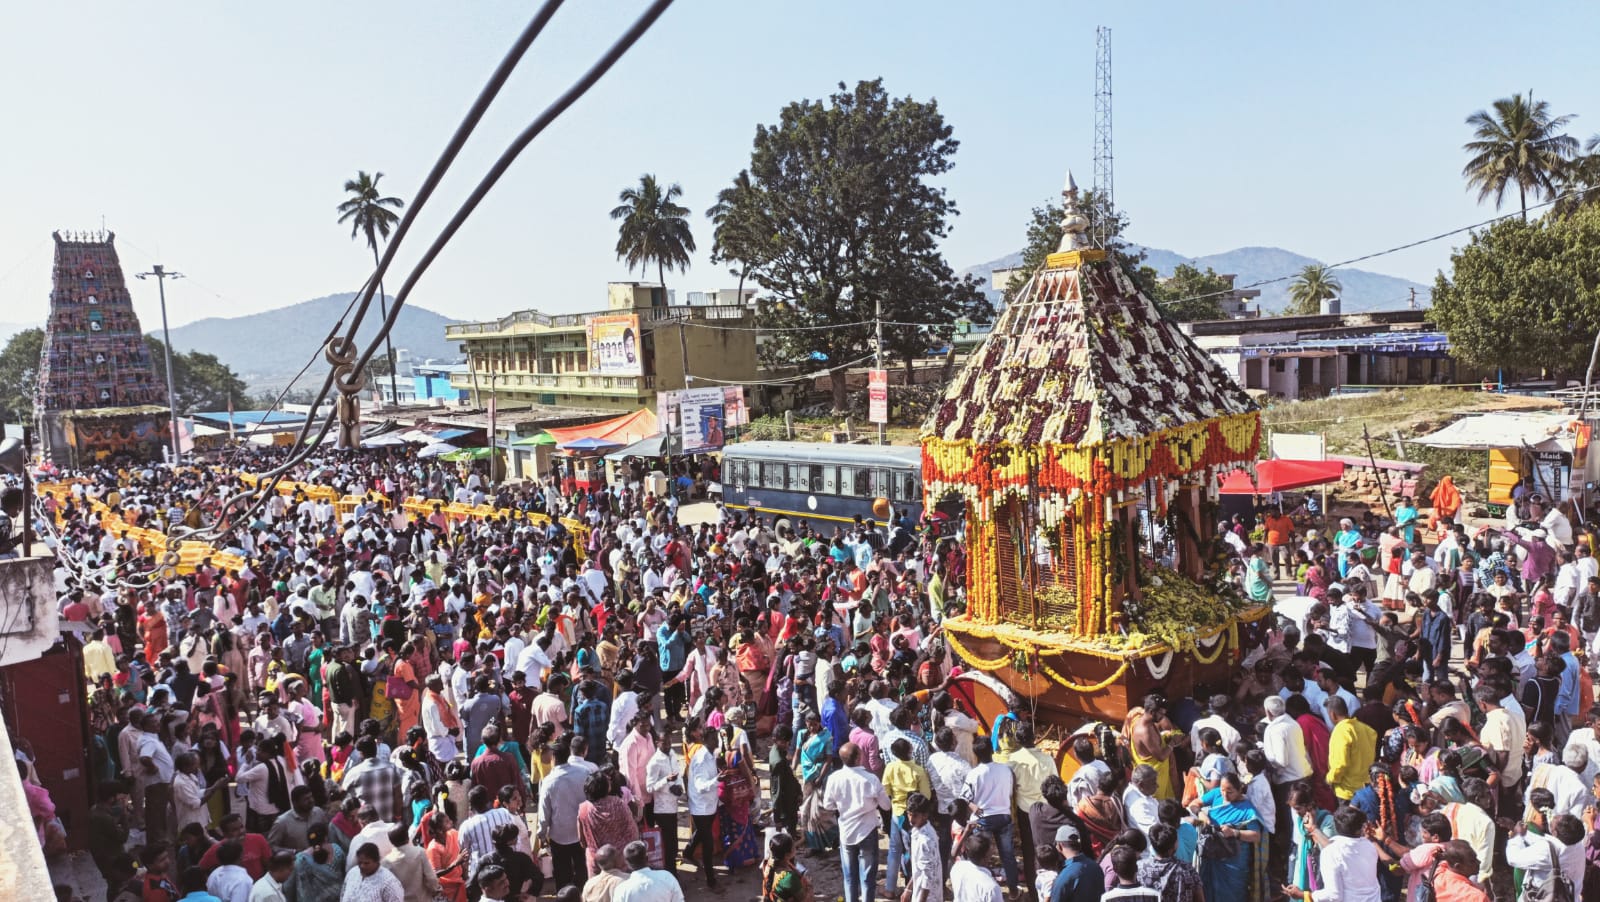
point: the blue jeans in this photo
(999, 827)
(899, 851)
(859, 861)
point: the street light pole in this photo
(161, 276)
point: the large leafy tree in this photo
(1309, 289)
(1525, 296)
(1190, 294)
(1044, 237)
(372, 216)
(200, 381)
(654, 228)
(1518, 141)
(19, 375)
(841, 216)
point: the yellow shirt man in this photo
(1351, 750)
(1030, 768)
(900, 779)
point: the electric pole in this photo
(161, 276)
(877, 363)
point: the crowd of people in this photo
(379, 706)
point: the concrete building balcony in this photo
(586, 383)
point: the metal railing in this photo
(648, 316)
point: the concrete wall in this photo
(721, 354)
(23, 873)
(29, 623)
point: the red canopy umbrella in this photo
(1282, 475)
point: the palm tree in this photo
(727, 215)
(1578, 179)
(374, 216)
(1521, 142)
(1309, 288)
(654, 228)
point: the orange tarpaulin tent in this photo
(624, 430)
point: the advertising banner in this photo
(733, 409)
(614, 341)
(700, 411)
(878, 396)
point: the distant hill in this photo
(1363, 290)
(267, 349)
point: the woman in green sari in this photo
(1240, 877)
(781, 879)
(813, 754)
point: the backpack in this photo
(1558, 888)
(1425, 890)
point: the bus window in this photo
(771, 476)
(861, 483)
(815, 477)
(847, 480)
(797, 477)
(905, 486)
(880, 483)
(830, 480)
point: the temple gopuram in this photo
(1086, 441)
(98, 397)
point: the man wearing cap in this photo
(1080, 878)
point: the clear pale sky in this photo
(215, 137)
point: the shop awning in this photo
(649, 446)
(543, 438)
(622, 430)
(1281, 475)
(1503, 430)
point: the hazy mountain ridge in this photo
(269, 347)
(1363, 290)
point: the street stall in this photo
(1551, 449)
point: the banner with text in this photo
(878, 396)
(614, 344)
(700, 411)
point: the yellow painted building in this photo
(612, 359)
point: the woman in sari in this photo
(319, 870)
(736, 788)
(1240, 877)
(405, 689)
(1305, 872)
(813, 753)
(1420, 755)
(781, 880)
(1346, 540)
(1102, 813)
(443, 847)
(214, 767)
(1316, 581)
(308, 744)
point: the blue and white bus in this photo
(821, 481)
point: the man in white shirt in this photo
(988, 790)
(702, 799)
(1139, 799)
(663, 781)
(645, 884)
(1349, 862)
(229, 882)
(1217, 720)
(1328, 682)
(858, 795)
(1285, 746)
(560, 795)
